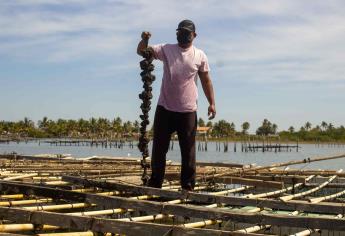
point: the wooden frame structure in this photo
(77, 197)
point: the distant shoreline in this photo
(258, 140)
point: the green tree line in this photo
(117, 128)
(81, 128)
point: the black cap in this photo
(186, 25)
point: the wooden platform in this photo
(58, 196)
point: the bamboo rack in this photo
(87, 197)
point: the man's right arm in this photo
(143, 44)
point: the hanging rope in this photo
(146, 96)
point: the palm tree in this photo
(330, 127)
(307, 125)
(103, 125)
(232, 127)
(93, 126)
(222, 128)
(291, 129)
(117, 126)
(136, 126)
(245, 127)
(61, 128)
(128, 127)
(274, 128)
(324, 125)
(317, 128)
(83, 126)
(26, 125)
(201, 122)
(42, 124)
(71, 126)
(267, 128)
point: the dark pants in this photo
(165, 123)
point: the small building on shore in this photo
(203, 131)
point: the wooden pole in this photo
(201, 224)
(55, 183)
(199, 197)
(12, 196)
(23, 227)
(256, 228)
(59, 207)
(253, 229)
(178, 201)
(273, 193)
(307, 160)
(308, 232)
(332, 196)
(25, 202)
(27, 227)
(290, 197)
(21, 176)
(87, 233)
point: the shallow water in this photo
(212, 155)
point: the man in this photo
(177, 104)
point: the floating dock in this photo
(103, 196)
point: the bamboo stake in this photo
(147, 218)
(234, 190)
(307, 160)
(87, 213)
(253, 229)
(277, 192)
(111, 193)
(87, 233)
(320, 199)
(178, 201)
(25, 202)
(59, 207)
(204, 223)
(301, 172)
(12, 196)
(256, 228)
(23, 227)
(93, 213)
(84, 190)
(101, 212)
(290, 197)
(43, 200)
(59, 183)
(308, 232)
(21, 176)
(254, 210)
(5, 173)
(47, 178)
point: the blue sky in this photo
(278, 59)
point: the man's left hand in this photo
(211, 112)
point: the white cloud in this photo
(292, 40)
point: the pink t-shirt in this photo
(179, 91)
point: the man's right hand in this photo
(145, 35)
(143, 44)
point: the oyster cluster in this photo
(147, 77)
